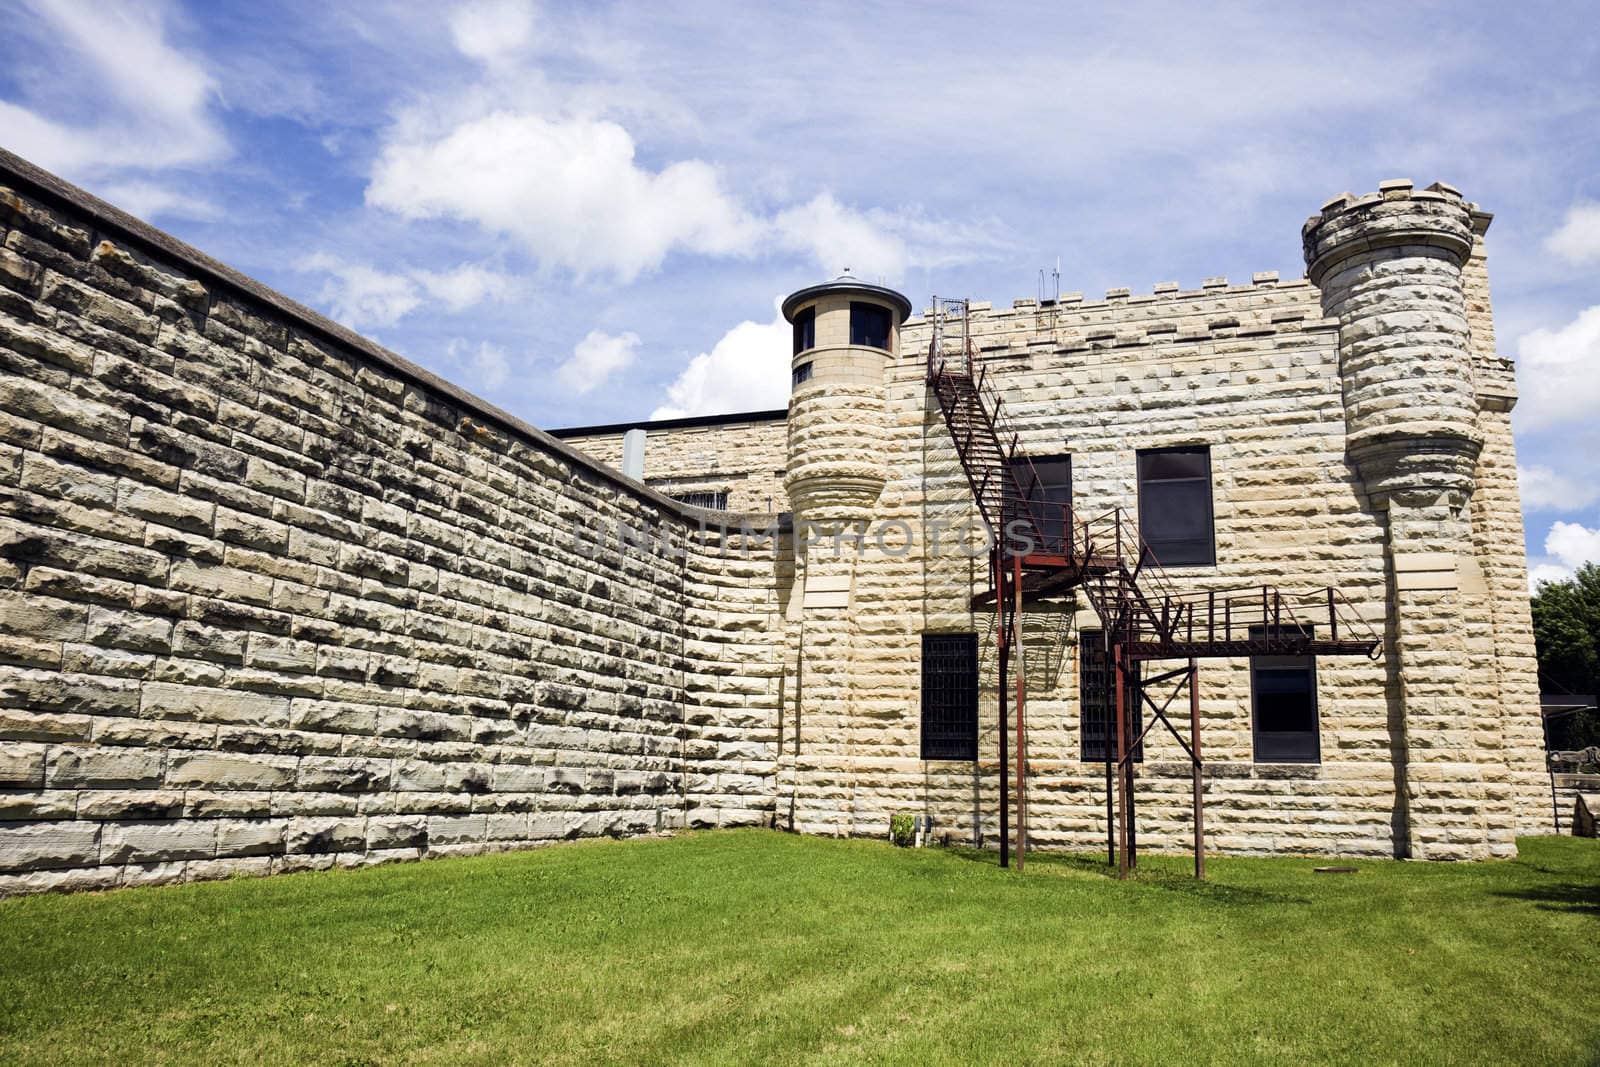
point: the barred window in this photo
(950, 696)
(1097, 708)
(715, 499)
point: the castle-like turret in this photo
(845, 332)
(1389, 265)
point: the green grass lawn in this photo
(740, 946)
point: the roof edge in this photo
(109, 218)
(731, 419)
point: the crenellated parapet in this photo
(1389, 266)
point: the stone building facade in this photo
(272, 598)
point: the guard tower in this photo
(845, 333)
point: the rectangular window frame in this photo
(949, 721)
(1097, 740)
(1307, 664)
(805, 329)
(1054, 525)
(710, 499)
(801, 374)
(865, 316)
(1210, 556)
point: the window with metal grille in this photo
(1097, 709)
(715, 499)
(950, 696)
(1283, 701)
(1175, 505)
(802, 373)
(805, 329)
(869, 325)
(1046, 484)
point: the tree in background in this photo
(1566, 631)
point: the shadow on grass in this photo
(1577, 897)
(1172, 881)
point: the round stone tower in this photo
(845, 333)
(1389, 265)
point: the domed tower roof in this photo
(845, 285)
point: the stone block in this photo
(322, 835)
(254, 837)
(22, 766)
(158, 842)
(38, 807)
(344, 774)
(186, 771)
(143, 804)
(43, 846)
(80, 767)
(397, 832)
(203, 704)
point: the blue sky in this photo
(586, 212)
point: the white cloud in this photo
(595, 359)
(152, 102)
(486, 364)
(360, 295)
(747, 370)
(148, 200)
(570, 190)
(1568, 546)
(1544, 489)
(841, 239)
(1578, 239)
(492, 30)
(1559, 373)
(465, 286)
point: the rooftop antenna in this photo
(1050, 285)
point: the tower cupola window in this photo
(805, 329)
(869, 325)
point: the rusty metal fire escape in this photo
(1043, 554)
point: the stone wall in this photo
(743, 457)
(1253, 371)
(272, 598)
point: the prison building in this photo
(273, 598)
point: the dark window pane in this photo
(869, 325)
(950, 696)
(802, 373)
(1175, 506)
(1284, 690)
(1046, 484)
(1097, 710)
(805, 330)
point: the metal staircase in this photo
(1041, 559)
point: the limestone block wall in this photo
(743, 457)
(272, 598)
(1253, 372)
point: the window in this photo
(1047, 495)
(950, 696)
(715, 499)
(1283, 691)
(805, 329)
(869, 325)
(1097, 709)
(802, 373)
(1175, 505)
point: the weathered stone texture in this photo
(269, 596)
